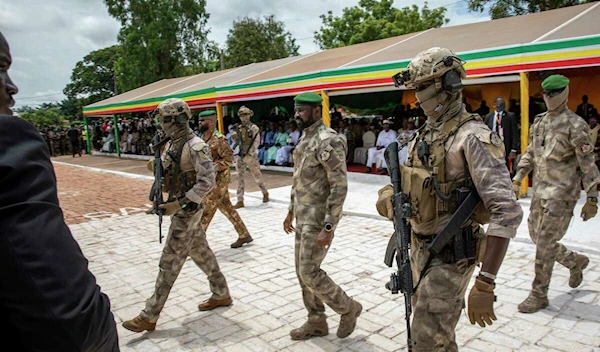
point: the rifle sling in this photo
(176, 170)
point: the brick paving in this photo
(124, 252)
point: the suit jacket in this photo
(49, 300)
(511, 133)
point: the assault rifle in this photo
(156, 194)
(399, 245)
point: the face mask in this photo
(557, 101)
(432, 101)
(500, 107)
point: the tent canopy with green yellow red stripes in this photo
(557, 39)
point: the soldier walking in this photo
(219, 196)
(454, 152)
(248, 139)
(560, 154)
(190, 176)
(318, 193)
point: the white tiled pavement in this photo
(123, 252)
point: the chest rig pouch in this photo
(182, 171)
(424, 174)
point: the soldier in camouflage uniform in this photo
(189, 174)
(219, 196)
(247, 137)
(560, 154)
(453, 149)
(318, 193)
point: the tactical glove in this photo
(516, 188)
(170, 208)
(481, 303)
(384, 203)
(589, 209)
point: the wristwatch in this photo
(328, 227)
(182, 204)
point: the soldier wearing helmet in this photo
(189, 177)
(454, 151)
(247, 137)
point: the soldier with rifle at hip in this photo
(188, 177)
(454, 180)
(247, 137)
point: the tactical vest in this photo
(246, 138)
(419, 179)
(181, 169)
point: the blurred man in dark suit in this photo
(49, 300)
(504, 123)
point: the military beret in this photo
(210, 115)
(308, 98)
(555, 82)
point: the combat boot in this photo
(139, 324)
(240, 241)
(533, 304)
(314, 327)
(348, 320)
(212, 303)
(266, 197)
(581, 262)
(239, 205)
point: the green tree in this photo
(46, 116)
(93, 78)
(376, 19)
(508, 8)
(159, 39)
(256, 40)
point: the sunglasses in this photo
(553, 93)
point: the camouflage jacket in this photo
(560, 154)
(320, 182)
(222, 155)
(196, 160)
(483, 152)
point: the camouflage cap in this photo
(555, 82)
(245, 111)
(210, 115)
(429, 65)
(310, 98)
(173, 107)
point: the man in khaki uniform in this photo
(560, 154)
(190, 176)
(219, 197)
(453, 152)
(247, 138)
(318, 193)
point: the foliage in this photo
(508, 8)
(48, 115)
(93, 78)
(373, 20)
(256, 40)
(159, 39)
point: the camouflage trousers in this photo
(548, 222)
(438, 301)
(317, 286)
(250, 162)
(219, 198)
(181, 243)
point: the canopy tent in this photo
(567, 37)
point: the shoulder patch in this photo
(587, 149)
(495, 139)
(218, 134)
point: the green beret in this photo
(555, 82)
(308, 98)
(208, 115)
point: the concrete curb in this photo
(104, 171)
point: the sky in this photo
(47, 38)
